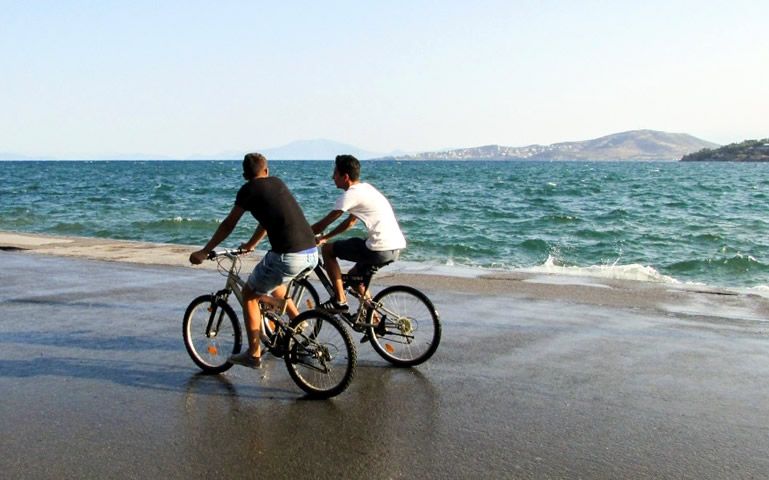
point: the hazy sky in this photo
(178, 78)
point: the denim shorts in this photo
(275, 269)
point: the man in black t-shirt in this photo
(291, 240)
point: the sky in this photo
(83, 79)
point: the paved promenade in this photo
(535, 378)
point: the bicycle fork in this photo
(212, 329)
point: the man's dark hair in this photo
(253, 164)
(347, 164)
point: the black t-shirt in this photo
(273, 206)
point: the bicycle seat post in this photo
(283, 302)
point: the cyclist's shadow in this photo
(228, 384)
(153, 376)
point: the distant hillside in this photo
(637, 145)
(747, 151)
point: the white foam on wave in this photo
(448, 269)
(760, 290)
(550, 272)
(633, 271)
(567, 280)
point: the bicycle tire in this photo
(211, 353)
(412, 329)
(322, 363)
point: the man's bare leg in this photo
(334, 272)
(281, 293)
(253, 314)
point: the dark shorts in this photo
(355, 250)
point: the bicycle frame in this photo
(269, 304)
(354, 319)
(321, 362)
(235, 284)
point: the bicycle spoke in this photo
(411, 330)
(211, 334)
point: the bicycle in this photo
(321, 361)
(401, 322)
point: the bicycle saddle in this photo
(370, 270)
(303, 273)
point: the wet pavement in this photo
(96, 383)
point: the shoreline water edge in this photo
(661, 222)
(579, 286)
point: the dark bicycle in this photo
(400, 322)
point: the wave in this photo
(633, 271)
(719, 266)
(66, 228)
(560, 218)
(175, 222)
(535, 245)
(760, 290)
(615, 214)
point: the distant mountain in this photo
(747, 151)
(633, 145)
(636, 145)
(299, 150)
(319, 149)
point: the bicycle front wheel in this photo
(321, 357)
(408, 329)
(211, 333)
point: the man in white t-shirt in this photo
(365, 203)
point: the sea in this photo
(691, 223)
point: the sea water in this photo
(671, 222)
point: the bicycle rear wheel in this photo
(409, 330)
(211, 333)
(321, 357)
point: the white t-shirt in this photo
(372, 208)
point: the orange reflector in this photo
(389, 348)
(213, 350)
(210, 309)
(309, 303)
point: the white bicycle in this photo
(318, 351)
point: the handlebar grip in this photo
(214, 254)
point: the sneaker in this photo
(332, 306)
(246, 359)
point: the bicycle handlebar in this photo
(226, 252)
